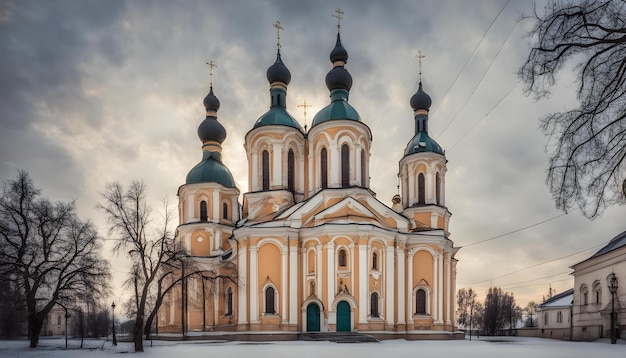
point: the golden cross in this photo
(305, 106)
(212, 65)
(278, 28)
(339, 17)
(419, 57)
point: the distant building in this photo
(54, 324)
(554, 316)
(592, 298)
(312, 249)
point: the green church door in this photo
(343, 317)
(313, 318)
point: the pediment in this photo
(349, 210)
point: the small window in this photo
(225, 210)
(421, 189)
(420, 302)
(545, 319)
(59, 320)
(559, 317)
(229, 301)
(269, 300)
(265, 158)
(375, 261)
(345, 166)
(324, 168)
(584, 295)
(203, 211)
(374, 305)
(342, 258)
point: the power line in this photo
(535, 279)
(472, 55)
(479, 82)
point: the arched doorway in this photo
(312, 317)
(343, 317)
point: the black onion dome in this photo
(278, 72)
(338, 53)
(339, 78)
(420, 100)
(211, 103)
(211, 130)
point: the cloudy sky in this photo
(99, 91)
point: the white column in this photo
(334, 166)
(254, 172)
(401, 285)
(448, 283)
(277, 165)
(389, 291)
(191, 203)
(254, 288)
(409, 291)
(318, 271)
(441, 287)
(357, 165)
(411, 186)
(293, 284)
(216, 206)
(234, 209)
(330, 271)
(242, 312)
(285, 286)
(435, 311)
(363, 283)
(216, 300)
(430, 176)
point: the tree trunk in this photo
(34, 329)
(138, 333)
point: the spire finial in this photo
(278, 28)
(339, 16)
(212, 65)
(305, 105)
(419, 57)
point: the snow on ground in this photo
(508, 347)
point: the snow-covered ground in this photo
(507, 347)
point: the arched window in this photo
(597, 292)
(375, 261)
(374, 305)
(266, 169)
(58, 320)
(420, 302)
(559, 317)
(229, 302)
(438, 189)
(203, 211)
(269, 300)
(324, 167)
(342, 258)
(545, 319)
(225, 210)
(363, 171)
(421, 189)
(291, 171)
(345, 166)
(584, 295)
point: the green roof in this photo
(211, 170)
(339, 108)
(422, 142)
(278, 116)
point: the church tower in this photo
(339, 142)
(422, 172)
(275, 150)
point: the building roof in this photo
(615, 243)
(211, 170)
(563, 299)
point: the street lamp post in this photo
(612, 283)
(113, 324)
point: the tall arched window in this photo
(421, 189)
(375, 261)
(265, 157)
(345, 165)
(342, 258)
(324, 167)
(203, 211)
(420, 302)
(438, 189)
(559, 317)
(58, 320)
(363, 171)
(229, 302)
(225, 210)
(374, 305)
(269, 300)
(291, 171)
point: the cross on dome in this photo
(304, 105)
(278, 28)
(339, 16)
(419, 57)
(212, 65)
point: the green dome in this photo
(211, 170)
(278, 116)
(422, 142)
(339, 108)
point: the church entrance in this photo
(343, 317)
(313, 318)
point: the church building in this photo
(309, 247)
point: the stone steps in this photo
(338, 337)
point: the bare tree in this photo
(587, 167)
(150, 245)
(47, 252)
(467, 308)
(531, 312)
